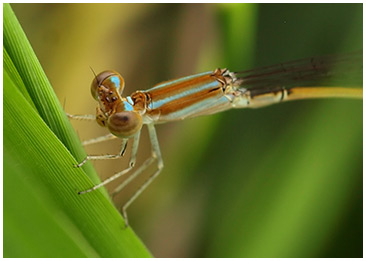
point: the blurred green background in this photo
(282, 181)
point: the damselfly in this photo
(203, 94)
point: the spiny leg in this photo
(102, 157)
(96, 140)
(91, 118)
(140, 189)
(144, 166)
(135, 146)
(156, 155)
(99, 139)
(88, 117)
(121, 173)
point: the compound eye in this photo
(124, 124)
(111, 80)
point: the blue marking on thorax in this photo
(197, 108)
(128, 106)
(116, 81)
(129, 99)
(179, 80)
(159, 103)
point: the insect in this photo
(203, 94)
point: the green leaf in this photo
(43, 214)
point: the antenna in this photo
(95, 75)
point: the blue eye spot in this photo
(116, 81)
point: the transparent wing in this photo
(333, 70)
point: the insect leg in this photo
(88, 117)
(155, 155)
(99, 139)
(121, 173)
